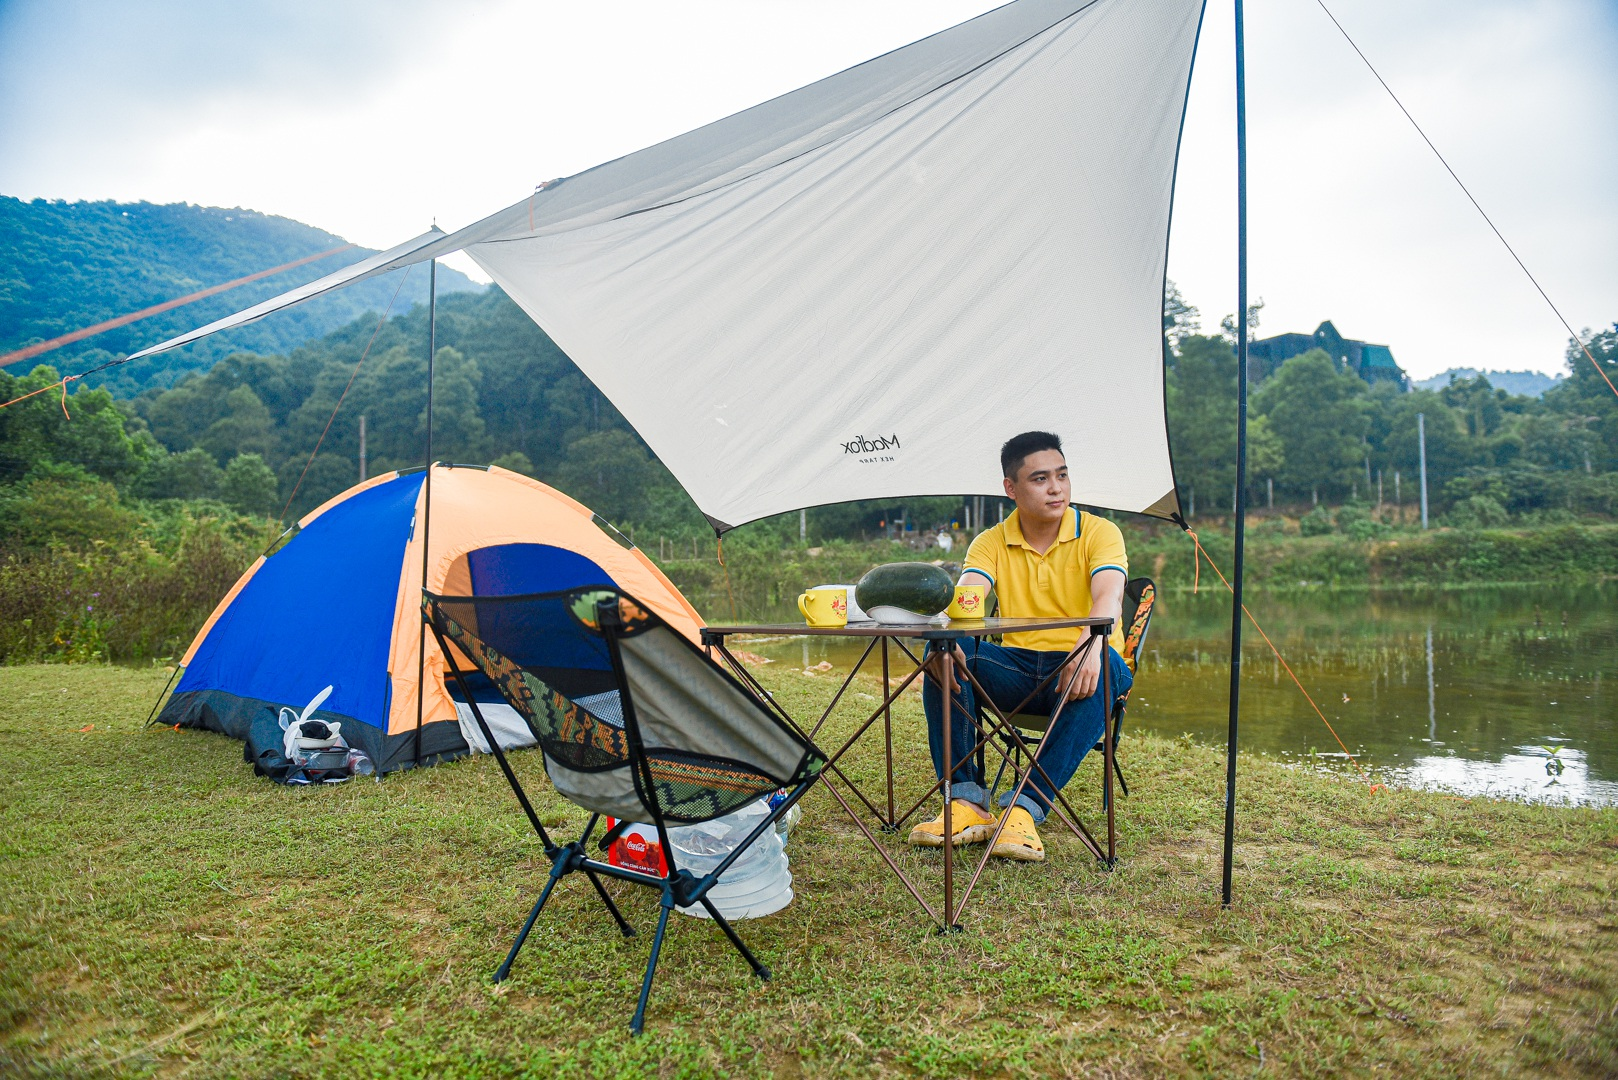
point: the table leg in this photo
(1108, 749)
(887, 733)
(882, 852)
(941, 670)
(747, 679)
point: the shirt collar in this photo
(1069, 529)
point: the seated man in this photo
(1050, 560)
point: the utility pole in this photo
(803, 526)
(362, 448)
(1421, 449)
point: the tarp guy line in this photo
(1203, 553)
(36, 349)
(346, 387)
(1467, 191)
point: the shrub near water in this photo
(1437, 558)
(85, 577)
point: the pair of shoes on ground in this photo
(971, 824)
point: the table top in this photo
(928, 631)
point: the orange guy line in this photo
(36, 349)
(1283, 660)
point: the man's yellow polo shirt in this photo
(1053, 585)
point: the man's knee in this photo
(1083, 714)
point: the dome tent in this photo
(336, 602)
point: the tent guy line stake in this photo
(1470, 197)
(1240, 509)
(151, 717)
(427, 495)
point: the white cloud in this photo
(373, 119)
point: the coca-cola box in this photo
(637, 848)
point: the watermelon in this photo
(916, 587)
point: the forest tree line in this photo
(1319, 434)
(239, 435)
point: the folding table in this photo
(946, 633)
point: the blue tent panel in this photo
(319, 612)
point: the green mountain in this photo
(67, 265)
(1525, 383)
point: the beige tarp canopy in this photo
(859, 289)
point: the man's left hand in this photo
(1088, 667)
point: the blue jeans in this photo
(1008, 675)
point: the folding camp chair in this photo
(1140, 594)
(634, 722)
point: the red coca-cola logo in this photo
(638, 851)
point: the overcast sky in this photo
(374, 119)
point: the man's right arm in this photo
(980, 561)
(979, 570)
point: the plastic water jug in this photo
(758, 883)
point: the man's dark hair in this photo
(1018, 447)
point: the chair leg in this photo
(638, 1021)
(522, 936)
(1118, 771)
(758, 969)
(994, 788)
(623, 926)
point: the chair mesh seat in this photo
(566, 732)
(608, 706)
(696, 787)
(709, 746)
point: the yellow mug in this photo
(969, 602)
(824, 607)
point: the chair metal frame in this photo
(676, 886)
(1041, 724)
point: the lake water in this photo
(1509, 692)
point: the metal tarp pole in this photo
(1241, 451)
(427, 495)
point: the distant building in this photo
(1369, 362)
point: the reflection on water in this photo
(1507, 692)
(1519, 776)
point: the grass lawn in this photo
(164, 912)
